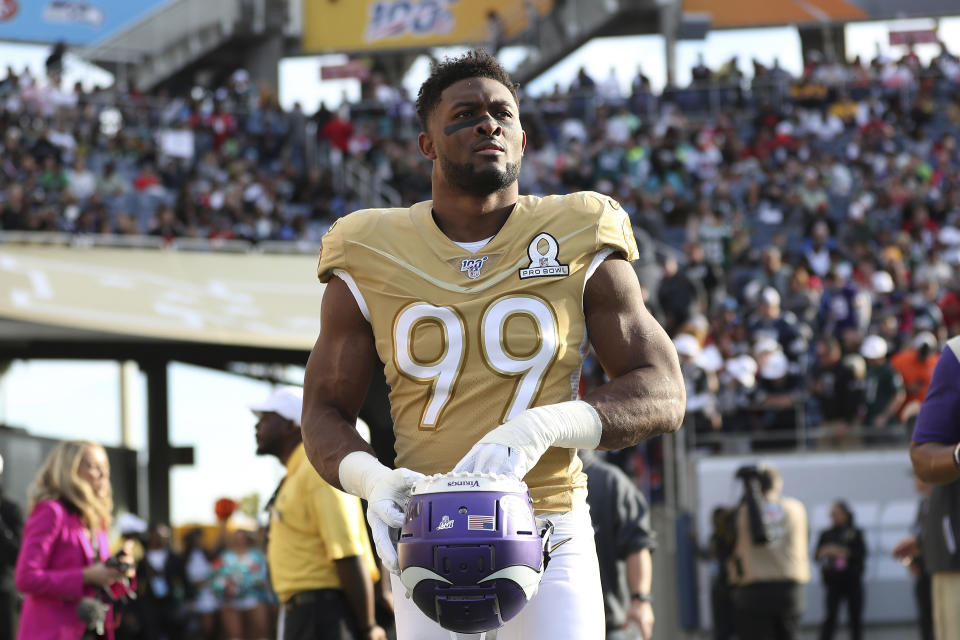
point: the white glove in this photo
(387, 492)
(516, 445)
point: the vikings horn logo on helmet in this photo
(476, 575)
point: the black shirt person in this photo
(841, 553)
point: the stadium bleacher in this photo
(862, 152)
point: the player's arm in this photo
(640, 580)
(934, 451)
(934, 462)
(335, 382)
(334, 386)
(358, 588)
(645, 396)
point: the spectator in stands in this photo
(735, 399)
(700, 72)
(841, 552)
(883, 389)
(801, 298)
(774, 273)
(54, 62)
(915, 364)
(776, 402)
(770, 321)
(679, 296)
(701, 385)
(81, 183)
(624, 539)
(838, 386)
(13, 215)
(706, 273)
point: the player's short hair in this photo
(476, 63)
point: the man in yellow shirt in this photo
(321, 563)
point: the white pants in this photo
(568, 604)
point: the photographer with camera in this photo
(769, 564)
(64, 569)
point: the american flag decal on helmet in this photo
(480, 523)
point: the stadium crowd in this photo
(800, 237)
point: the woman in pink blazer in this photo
(65, 543)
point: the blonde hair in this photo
(59, 479)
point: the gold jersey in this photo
(470, 340)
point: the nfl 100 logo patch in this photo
(473, 266)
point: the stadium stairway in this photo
(182, 34)
(573, 22)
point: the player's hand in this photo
(386, 508)
(495, 458)
(906, 550)
(641, 614)
(516, 445)
(101, 575)
(376, 633)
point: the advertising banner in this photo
(363, 25)
(76, 22)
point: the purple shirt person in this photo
(935, 454)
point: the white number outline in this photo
(548, 342)
(443, 382)
(443, 378)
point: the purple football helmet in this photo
(471, 556)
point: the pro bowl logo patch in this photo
(473, 266)
(8, 9)
(543, 251)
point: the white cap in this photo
(770, 297)
(924, 338)
(286, 402)
(873, 348)
(949, 236)
(687, 345)
(743, 369)
(774, 366)
(882, 282)
(710, 358)
(844, 270)
(128, 523)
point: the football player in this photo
(481, 304)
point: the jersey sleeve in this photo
(937, 421)
(332, 255)
(614, 231)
